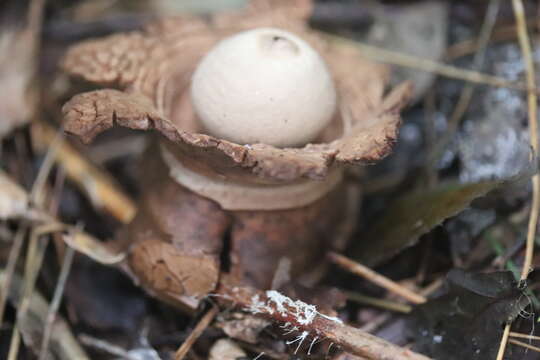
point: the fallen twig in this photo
(309, 323)
(525, 345)
(376, 278)
(523, 336)
(504, 341)
(196, 333)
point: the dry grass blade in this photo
(105, 347)
(523, 336)
(504, 341)
(410, 61)
(37, 194)
(434, 286)
(13, 257)
(525, 45)
(93, 248)
(500, 34)
(14, 345)
(34, 259)
(525, 345)
(35, 250)
(55, 304)
(532, 101)
(78, 240)
(101, 189)
(376, 278)
(196, 333)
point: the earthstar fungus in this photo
(228, 173)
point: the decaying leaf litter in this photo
(253, 273)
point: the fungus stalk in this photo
(232, 195)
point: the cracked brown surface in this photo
(177, 242)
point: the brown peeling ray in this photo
(121, 59)
(156, 62)
(116, 59)
(88, 114)
(372, 140)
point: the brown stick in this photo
(525, 345)
(307, 322)
(196, 333)
(376, 278)
(523, 336)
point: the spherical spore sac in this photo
(264, 86)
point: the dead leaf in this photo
(468, 321)
(413, 215)
(13, 198)
(225, 349)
